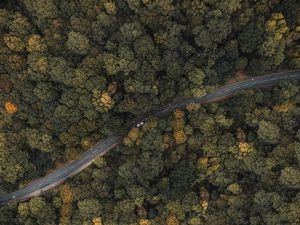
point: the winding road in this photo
(57, 177)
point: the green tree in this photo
(268, 132)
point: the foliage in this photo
(73, 72)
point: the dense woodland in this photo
(73, 72)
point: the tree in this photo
(268, 132)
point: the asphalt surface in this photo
(57, 177)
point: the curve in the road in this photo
(58, 176)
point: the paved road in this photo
(36, 188)
(59, 176)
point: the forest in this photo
(73, 72)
